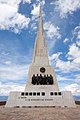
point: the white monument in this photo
(42, 87)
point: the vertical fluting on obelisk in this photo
(40, 49)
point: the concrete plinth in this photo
(40, 98)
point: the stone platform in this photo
(40, 98)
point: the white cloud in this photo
(10, 17)
(33, 26)
(8, 87)
(74, 53)
(76, 35)
(13, 72)
(10, 2)
(52, 30)
(71, 64)
(8, 62)
(28, 1)
(67, 66)
(76, 32)
(73, 60)
(66, 40)
(77, 78)
(14, 2)
(63, 78)
(78, 43)
(42, 2)
(66, 7)
(74, 88)
(55, 56)
(35, 11)
(64, 66)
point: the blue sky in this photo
(18, 28)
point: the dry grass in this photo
(40, 113)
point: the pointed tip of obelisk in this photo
(40, 11)
(40, 8)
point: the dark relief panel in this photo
(42, 80)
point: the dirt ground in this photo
(40, 113)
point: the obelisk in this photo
(41, 61)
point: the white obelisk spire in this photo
(40, 49)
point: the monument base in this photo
(40, 98)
